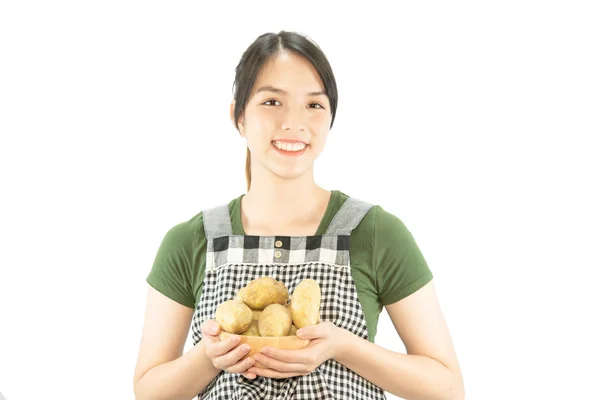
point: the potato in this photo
(261, 292)
(240, 295)
(275, 320)
(234, 316)
(306, 304)
(293, 330)
(253, 330)
(256, 314)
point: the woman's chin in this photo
(289, 173)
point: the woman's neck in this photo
(284, 207)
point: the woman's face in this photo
(287, 118)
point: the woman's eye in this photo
(271, 103)
(277, 103)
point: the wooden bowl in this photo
(258, 342)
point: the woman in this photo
(289, 228)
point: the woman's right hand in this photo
(226, 354)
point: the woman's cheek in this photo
(319, 121)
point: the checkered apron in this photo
(232, 261)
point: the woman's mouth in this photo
(289, 148)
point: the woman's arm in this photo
(430, 370)
(162, 372)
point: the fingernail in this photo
(246, 348)
(214, 330)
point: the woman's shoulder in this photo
(399, 266)
(378, 219)
(194, 225)
(183, 237)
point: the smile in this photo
(289, 147)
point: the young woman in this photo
(289, 228)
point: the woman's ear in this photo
(240, 126)
(232, 111)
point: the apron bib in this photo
(232, 261)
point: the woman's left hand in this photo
(326, 340)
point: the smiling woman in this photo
(283, 81)
(289, 229)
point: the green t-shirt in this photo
(386, 262)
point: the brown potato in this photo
(240, 295)
(256, 314)
(275, 320)
(234, 316)
(253, 330)
(306, 304)
(293, 330)
(261, 292)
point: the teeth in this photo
(289, 146)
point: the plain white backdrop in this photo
(476, 123)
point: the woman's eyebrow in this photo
(269, 88)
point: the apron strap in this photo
(348, 216)
(217, 222)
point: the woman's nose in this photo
(293, 120)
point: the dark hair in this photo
(264, 48)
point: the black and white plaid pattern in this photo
(236, 260)
(327, 249)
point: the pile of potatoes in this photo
(264, 308)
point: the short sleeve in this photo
(400, 267)
(172, 268)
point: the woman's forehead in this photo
(289, 73)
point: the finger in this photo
(227, 360)
(249, 375)
(313, 331)
(210, 327)
(269, 373)
(241, 366)
(280, 366)
(222, 347)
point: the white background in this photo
(475, 123)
